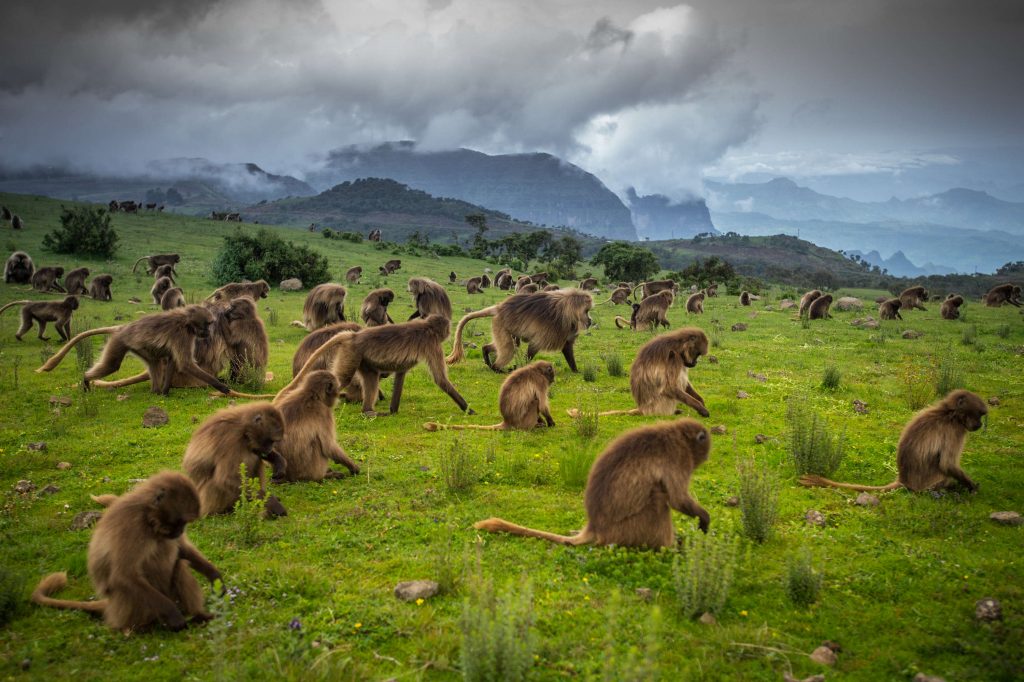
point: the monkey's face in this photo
(264, 289)
(924, 294)
(265, 430)
(969, 409)
(693, 347)
(175, 507)
(59, 271)
(386, 299)
(547, 370)
(241, 309)
(200, 320)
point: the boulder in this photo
(293, 284)
(848, 303)
(412, 590)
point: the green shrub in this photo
(497, 631)
(759, 499)
(1003, 331)
(613, 363)
(248, 510)
(266, 256)
(250, 376)
(803, 583)
(969, 335)
(622, 660)
(831, 378)
(83, 231)
(589, 373)
(813, 446)
(587, 423)
(574, 466)
(447, 564)
(84, 350)
(328, 233)
(950, 376)
(703, 570)
(458, 470)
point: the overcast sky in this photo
(642, 93)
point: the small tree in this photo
(83, 231)
(267, 256)
(480, 244)
(626, 262)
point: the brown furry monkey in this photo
(651, 288)
(819, 308)
(161, 287)
(17, 223)
(546, 320)
(354, 392)
(48, 279)
(532, 289)
(807, 299)
(430, 298)
(523, 282)
(912, 298)
(711, 291)
(58, 312)
(485, 281)
(165, 271)
(522, 401)
(74, 281)
(99, 288)
(354, 274)
(139, 559)
(930, 447)
(310, 440)
(744, 298)
(254, 290)
(650, 313)
(1003, 293)
(245, 337)
(19, 268)
(588, 284)
(325, 304)
(695, 303)
(618, 297)
(452, 277)
(473, 286)
(951, 307)
(156, 260)
(374, 310)
(503, 280)
(390, 267)
(889, 309)
(633, 487)
(173, 298)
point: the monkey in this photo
(245, 337)
(160, 287)
(912, 297)
(156, 260)
(353, 393)
(650, 312)
(503, 280)
(695, 303)
(523, 281)
(485, 281)
(819, 308)
(473, 286)
(651, 288)
(540, 278)
(390, 267)
(374, 311)
(74, 281)
(389, 348)
(17, 223)
(325, 304)
(1003, 293)
(241, 434)
(589, 284)
(452, 277)
(172, 298)
(58, 312)
(929, 449)
(5, 213)
(164, 271)
(889, 309)
(429, 298)
(165, 341)
(353, 275)
(951, 307)
(523, 401)
(550, 287)
(711, 291)
(621, 323)
(618, 297)
(19, 268)
(546, 320)
(310, 440)
(633, 486)
(807, 299)
(744, 298)
(46, 279)
(254, 290)
(139, 559)
(99, 288)
(530, 289)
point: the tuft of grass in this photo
(969, 336)
(803, 583)
(248, 510)
(702, 572)
(574, 466)
(831, 378)
(587, 423)
(1003, 331)
(950, 375)
(813, 446)
(613, 363)
(272, 317)
(84, 351)
(458, 470)
(498, 639)
(251, 376)
(759, 499)
(11, 595)
(589, 373)
(917, 387)
(446, 563)
(621, 659)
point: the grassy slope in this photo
(900, 579)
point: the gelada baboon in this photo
(523, 282)
(546, 320)
(485, 281)
(911, 298)
(1003, 293)
(310, 440)
(695, 303)
(165, 341)
(5, 213)
(452, 277)
(374, 311)
(618, 297)
(173, 298)
(19, 268)
(819, 308)
(532, 288)
(139, 559)
(889, 309)
(17, 223)
(473, 286)
(651, 288)
(522, 401)
(744, 298)
(951, 307)
(48, 279)
(807, 299)
(633, 486)
(430, 298)
(711, 291)
(353, 393)
(390, 266)
(649, 313)
(588, 284)
(254, 290)
(160, 287)
(393, 348)
(325, 304)
(241, 434)
(928, 454)
(74, 281)
(353, 275)
(99, 287)
(156, 260)
(164, 271)
(503, 280)
(58, 312)
(245, 337)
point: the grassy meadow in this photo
(311, 594)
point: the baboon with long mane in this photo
(19, 268)
(325, 304)
(522, 401)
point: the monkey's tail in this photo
(13, 303)
(458, 352)
(104, 500)
(59, 355)
(621, 322)
(121, 383)
(56, 582)
(435, 426)
(137, 263)
(637, 287)
(495, 525)
(575, 413)
(243, 396)
(336, 340)
(812, 481)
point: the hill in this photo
(658, 217)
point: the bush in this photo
(497, 631)
(803, 583)
(950, 376)
(83, 231)
(831, 378)
(814, 448)
(248, 509)
(759, 499)
(587, 423)
(266, 256)
(613, 363)
(625, 262)
(353, 237)
(702, 572)
(589, 373)
(458, 470)
(621, 660)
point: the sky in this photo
(648, 94)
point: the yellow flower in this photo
(358, 625)
(586, 579)
(419, 602)
(743, 613)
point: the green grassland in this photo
(900, 579)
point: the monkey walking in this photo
(156, 260)
(522, 401)
(650, 313)
(254, 290)
(42, 312)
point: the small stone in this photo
(25, 664)
(708, 618)
(195, 419)
(298, 324)
(424, 467)
(739, 327)
(85, 520)
(742, 394)
(760, 438)
(291, 284)
(988, 610)
(268, 376)
(860, 407)
(645, 593)
(881, 299)
(1007, 518)
(412, 590)
(471, 346)
(871, 324)
(786, 304)
(63, 466)
(815, 518)
(911, 334)
(824, 656)
(994, 401)
(713, 359)
(122, 397)
(921, 677)
(848, 303)
(62, 400)
(866, 500)
(24, 486)
(39, 446)
(50, 490)
(154, 416)
(718, 430)
(134, 299)
(856, 322)
(732, 502)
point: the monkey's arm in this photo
(198, 372)
(960, 475)
(415, 315)
(692, 391)
(137, 585)
(188, 552)
(278, 463)
(682, 396)
(679, 498)
(545, 411)
(334, 452)
(388, 316)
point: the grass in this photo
(814, 446)
(894, 575)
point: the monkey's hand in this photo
(278, 463)
(705, 522)
(470, 410)
(85, 385)
(202, 618)
(274, 508)
(175, 621)
(703, 411)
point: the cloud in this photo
(819, 163)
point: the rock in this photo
(713, 359)
(786, 304)
(24, 486)
(742, 394)
(25, 664)
(298, 324)
(881, 299)
(739, 327)
(856, 322)
(921, 677)
(988, 610)
(718, 430)
(866, 500)
(760, 438)
(1007, 518)
(39, 446)
(50, 490)
(871, 324)
(268, 376)
(994, 401)
(62, 400)
(815, 518)
(645, 593)
(412, 590)
(122, 397)
(154, 416)
(824, 656)
(63, 466)
(135, 299)
(292, 284)
(911, 334)
(860, 407)
(757, 375)
(848, 303)
(732, 502)
(708, 618)
(85, 520)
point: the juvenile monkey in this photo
(889, 309)
(430, 298)
(633, 487)
(99, 288)
(161, 287)
(930, 447)
(164, 271)
(819, 308)
(47, 279)
(523, 401)
(374, 310)
(139, 559)
(473, 286)
(695, 303)
(58, 312)
(353, 275)
(74, 281)
(310, 440)
(172, 298)
(951, 307)
(807, 299)
(618, 297)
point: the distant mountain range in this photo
(658, 217)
